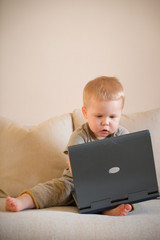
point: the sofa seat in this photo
(66, 223)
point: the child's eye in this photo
(113, 116)
(99, 116)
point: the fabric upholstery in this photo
(31, 156)
(59, 224)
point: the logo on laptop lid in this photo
(114, 170)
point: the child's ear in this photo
(84, 111)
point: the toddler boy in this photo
(103, 101)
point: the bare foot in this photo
(25, 201)
(11, 204)
(121, 210)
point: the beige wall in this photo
(49, 50)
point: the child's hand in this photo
(69, 165)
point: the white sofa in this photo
(29, 155)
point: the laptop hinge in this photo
(118, 200)
(153, 193)
(100, 204)
(138, 195)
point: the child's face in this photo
(103, 116)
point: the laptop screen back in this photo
(112, 171)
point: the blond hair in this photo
(103, 88)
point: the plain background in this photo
(49, 49)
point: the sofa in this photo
(33, 154)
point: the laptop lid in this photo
(113, 171)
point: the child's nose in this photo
(106, 121)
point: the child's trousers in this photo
(56, 192)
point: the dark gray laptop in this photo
(113, 171)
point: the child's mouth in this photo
(104, 131)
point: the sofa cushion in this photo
(29, 156)
(65, 223)
(135, 122)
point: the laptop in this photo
(113, 171)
